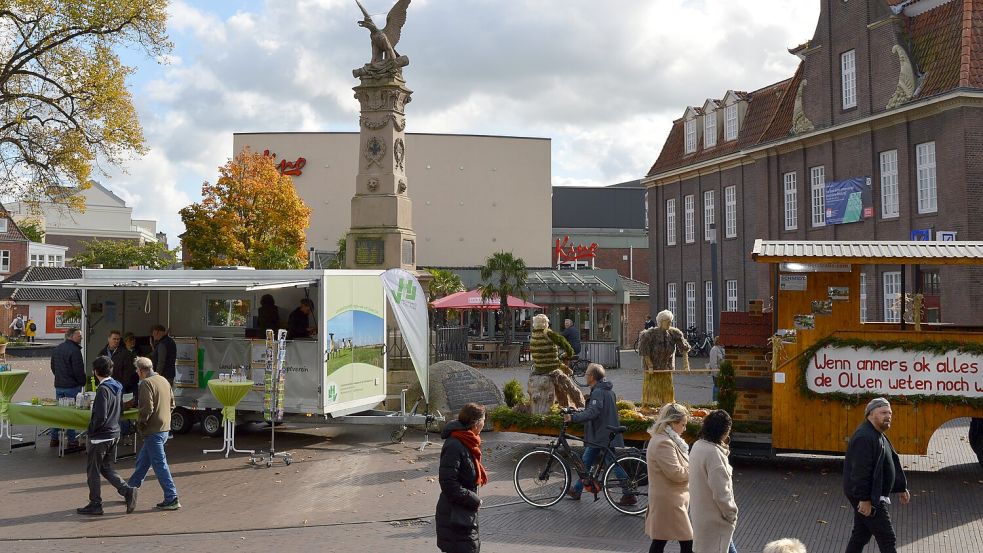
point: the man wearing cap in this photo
(871, 472)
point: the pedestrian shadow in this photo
(65, 515)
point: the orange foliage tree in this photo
(251, 216)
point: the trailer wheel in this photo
(182, 420)
(397, 435)
(976, 438)
(211, 424)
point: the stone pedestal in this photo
(381, 235)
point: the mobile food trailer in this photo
(830, 362)
(339, 375)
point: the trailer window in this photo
(227, 312)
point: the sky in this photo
(602, 79)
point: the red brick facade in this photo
(629, 262)
(635, 313)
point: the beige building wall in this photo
(472, 195)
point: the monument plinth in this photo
(381, 235)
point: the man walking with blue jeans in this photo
(601, 412)
(69, 370)
(154, 423)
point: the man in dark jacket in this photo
(69, 370)
(871, 472)
(103, 436)
(164, 353)
(600, 413)
(299, 325)
(123, 370)
(572, 335)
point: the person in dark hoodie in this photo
(68, 368)
(460, 475)
(872, 472)
(601, 412)
(103, 436)
(124, 371)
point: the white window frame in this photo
(892, 292)
(671, 222)
(690, 304)
(671, 297)
(4, 261)
(690, 129)
(848, 78)
(730, 122)
(730, 211)
(709, 215)
(890, 197)
(3, 225)
(817, 178)
(689, 216)
(731, 295)
(708, 306)
(863, 297)
(791, 195)
(710, 129)
(928, 200)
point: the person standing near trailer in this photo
(68, 368)
(164, 353)
(299, 325)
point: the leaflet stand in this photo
(275, 378)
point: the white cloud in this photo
(603, 80)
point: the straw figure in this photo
(549, 382)
(658, 347)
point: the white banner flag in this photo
(410, 306)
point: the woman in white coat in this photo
(711, 487)
(668, 471)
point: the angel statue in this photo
(384, 55)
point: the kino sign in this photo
(895, 372)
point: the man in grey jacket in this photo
(600, 413)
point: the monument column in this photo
(381, 235)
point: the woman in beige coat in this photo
(668, 472)
(711, 487)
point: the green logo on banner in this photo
(203, 378)
(405, 291)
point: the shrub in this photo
(624, 405)
(727, 384)
(513, 393)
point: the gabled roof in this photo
(635, 288)
(10, 291)
(13, 232)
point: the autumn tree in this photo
(123, 254)
(251, 216)
(63, 97)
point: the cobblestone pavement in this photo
(350, 490)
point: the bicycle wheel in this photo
(579, 369)
(541, 478)
(628, 492)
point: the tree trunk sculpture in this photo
(549, 380)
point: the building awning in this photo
(567, 281)
(868, 252)
(186, 283)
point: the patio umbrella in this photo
(472, 300)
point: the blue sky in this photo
(603, 80)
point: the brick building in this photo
(887, 103)
(14, 246)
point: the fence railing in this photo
(602, 353)
(446, 343)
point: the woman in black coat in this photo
(460, 475)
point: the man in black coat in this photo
(124, 371)
(871, 472)
(103, 437)
(69, 370)
(299, 325)
(572, 335)
(164, 353)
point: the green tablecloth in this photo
(56, 416)
(229, 394)
(10, 381)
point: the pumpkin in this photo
(701, 413)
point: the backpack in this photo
(19, 324)
(33, 327)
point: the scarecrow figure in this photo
(549, 381)
(658, 347)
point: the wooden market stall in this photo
(831, 363)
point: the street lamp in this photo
(713, 280)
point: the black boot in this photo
(90, 509)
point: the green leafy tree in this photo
(504, 275)
(339, 260)
(63, 97)
(33, 230)
(442, 283)
(123, 254)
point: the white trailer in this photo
(339, 376)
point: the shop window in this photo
(227, 312)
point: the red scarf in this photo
(472, 441)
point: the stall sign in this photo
(793, 282)
(567, 251)
(895, 372)
(292, 168)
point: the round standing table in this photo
(10, 381)
(229, 394)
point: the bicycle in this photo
(700, 342)
(542, 476)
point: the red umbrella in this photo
(472, 300)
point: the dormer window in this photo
(3, 225)
(690, 127)
(709, 129)
(730, 122)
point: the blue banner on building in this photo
(849, 201)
